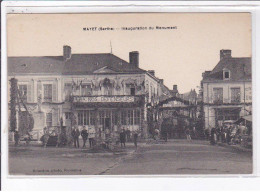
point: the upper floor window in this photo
(23, 92)
(67, 90)
(108, 91)
(132, 91)
(218, 95)
(226, 74)
(108, 87)
(86, 90)
(235, 95)
(47, 95)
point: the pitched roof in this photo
(78, 64)
(166, 93)
(240, 69)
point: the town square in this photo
(86, 110)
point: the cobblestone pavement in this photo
(174, 157)
(36, 160)
(181, 157)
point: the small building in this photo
(227, 90)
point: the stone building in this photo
(93, 90)
(227, 90)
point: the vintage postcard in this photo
(129, 94)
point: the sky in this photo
(179, 56)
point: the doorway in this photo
(107, 123)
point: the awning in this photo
(247, 118)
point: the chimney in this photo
(161, 81)
(66, 52)
(134, 58)
(205, 74)
(225, 53)
(151, 72)
(174, 90)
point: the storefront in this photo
(226, 114)
(109, 113)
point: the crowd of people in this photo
(106, 137)
(228, 133)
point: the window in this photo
(86, 90)
(104, 116)
(108, 91)
(67, 115)
(132, 91)
(235, 95)
(115, 117)
(67, 90)
(218, 95)
(226, 74)
(47, 96)
(101, 117)
(124, 120)
(80, 118)
(92, 118)
(23, 92)
(130, 115)
(137, 117)
(49, 119)
(227, 114)
(86, 117)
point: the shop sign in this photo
(89, 99)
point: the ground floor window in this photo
(130, 117)
(49, 119)
(67, 115)
(137, 115)
(227, 114)
(109, 117)
(86, 117)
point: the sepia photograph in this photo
(129, 94)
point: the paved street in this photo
(174, 157)
(182, 157)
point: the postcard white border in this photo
(161, 182)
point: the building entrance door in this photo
(107, 123)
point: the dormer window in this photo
(226, 74)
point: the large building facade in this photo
(227, 90)
(100, 91)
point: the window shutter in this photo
(54, 92)
(55, 117)
(29, 93)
